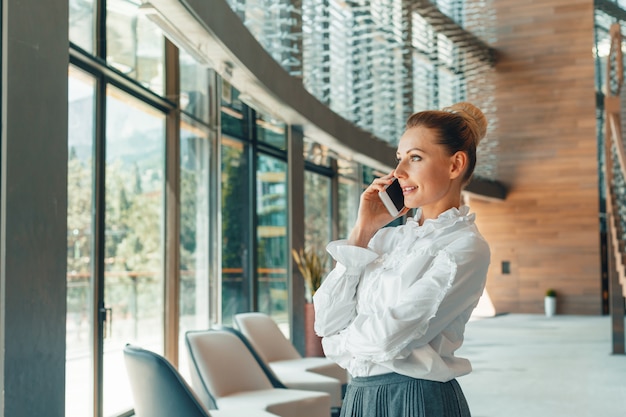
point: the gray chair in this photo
(160, 391)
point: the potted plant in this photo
(312, 267)
(549, 302)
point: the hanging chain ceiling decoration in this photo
(443, 24)
(374, 62)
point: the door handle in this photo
(106, 315)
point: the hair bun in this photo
(473, 116)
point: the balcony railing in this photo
(615, 185)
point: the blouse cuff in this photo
(352, 257)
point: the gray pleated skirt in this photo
(395, 395)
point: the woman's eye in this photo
(412, 158)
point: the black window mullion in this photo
(319, 169)
(97, 66)
(253, 154)
(99, 182)
(101, 29)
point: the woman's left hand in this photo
(372, 212)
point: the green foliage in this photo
(235, 207)
(311, 266)
(133, 247)
(550, 293)
(133, 221)
(79, 210)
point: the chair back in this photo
(222, 365)
(271, 375)
(265, 336)
(157, 387)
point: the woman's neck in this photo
(434, 211)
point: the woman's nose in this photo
(400, 172)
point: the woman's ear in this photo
(458, 164)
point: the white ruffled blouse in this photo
(401, 305)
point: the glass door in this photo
(195, 290)
(79, 361)
(271, 211)
(134, 236)
(116, 202)
(124, 277)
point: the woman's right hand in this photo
(372, 212)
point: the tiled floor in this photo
(535, 366)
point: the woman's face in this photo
(427, 173)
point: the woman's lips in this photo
(408, 190)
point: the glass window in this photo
(347, 168)
(317, 211)
(316, 153)
(348, 206)
(194, 234)
(80, 266)
(349, 193)
(233, 118)
(271, 211)
(368, 175)
(236, 228)
(135, 46)
(134, 223)
(194, 87)
(271, 131)
(82, 23)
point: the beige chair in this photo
(226, 376)
(297, 378)
(284, 360)
(160, 391)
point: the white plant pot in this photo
(550, 306)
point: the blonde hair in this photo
(460, 127)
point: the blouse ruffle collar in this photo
(404, 237)
(445, 219)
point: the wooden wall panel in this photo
(548, 226)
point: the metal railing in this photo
(615, 185)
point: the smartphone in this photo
(393, 198)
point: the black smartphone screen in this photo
(395, 193)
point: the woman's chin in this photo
(410, 203)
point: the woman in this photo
(394, 309)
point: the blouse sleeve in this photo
(335, 300)
(453, 283)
